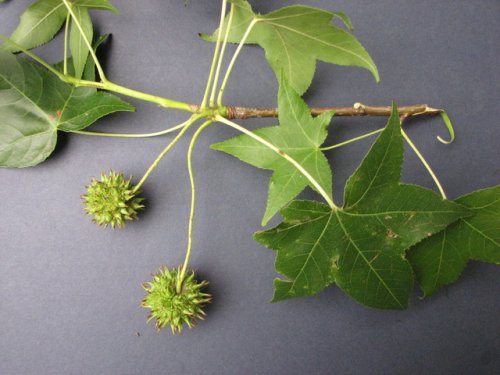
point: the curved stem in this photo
(183, 271)
(216, 55)
(120, 135)
(186, 125)
(424, 162)
(284, 155)
(66, 37)
(449, 126)
(233, 61)
(352, 140)
(87, 42)
(221, 57)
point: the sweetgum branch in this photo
(242, 113)
(231, 112)
(357, 109)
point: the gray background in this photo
(69, 291)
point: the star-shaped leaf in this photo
(35, 104)
(299, 136)
(360, 247)
(295, 37)
(441, 259)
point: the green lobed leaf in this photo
(362, 246)
(300, 136)
(295, 37)
(441, 259)
(35, 104)
(78, 47)
(41, 21)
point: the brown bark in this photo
(357, 109)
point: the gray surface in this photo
(69, 291)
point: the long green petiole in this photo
(221, 56)
(216, 55)
(185, 126)
(424, 162)
(183, 272)
(66, 38)
(233, 61)
(121, 135)
(284, 155)
(352, 140)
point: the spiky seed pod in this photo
(172, 308)
(112, 200)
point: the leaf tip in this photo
(279, 293)
(205, 37)
(449, 126)
(258, 236)
(215, 146)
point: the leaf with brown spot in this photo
(362, 246)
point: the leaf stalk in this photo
(425, 163)
(185, 126)
(189, 247)
(233, 61)
(66, 39)
(338, 145)
(216, 56)
(221, 57)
